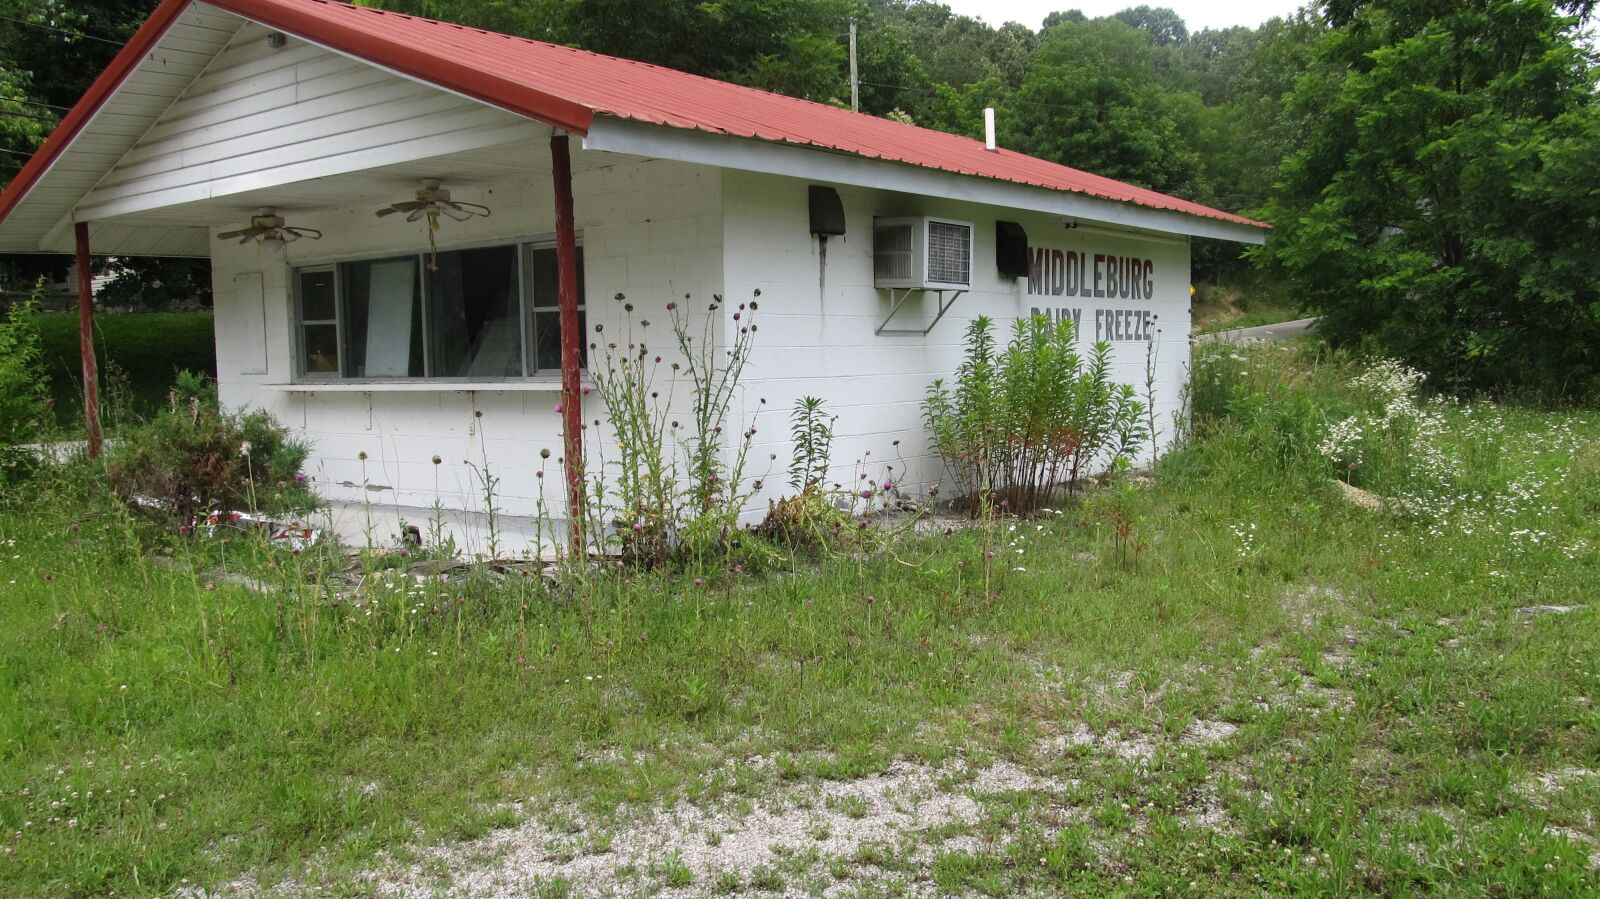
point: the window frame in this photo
(527, 309)
(300, 322)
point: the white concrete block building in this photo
(385, 343)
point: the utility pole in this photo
(855, 81)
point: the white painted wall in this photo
(649, 229)
(657, 231)
(816, 333)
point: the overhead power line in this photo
(28, 115)
(27, 102)
(66, 31)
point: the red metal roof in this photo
(567, 88)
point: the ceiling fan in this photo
(267, 228)
(431, 202)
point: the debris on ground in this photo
(294, 536)
(1358, 497)
(1528, 613)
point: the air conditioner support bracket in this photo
(944, 306)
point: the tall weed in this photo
(675, 489)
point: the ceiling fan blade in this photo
(455, 212)
(417, 214)
(230, 235)
(473, 209)
(387, 210)
(312, 233)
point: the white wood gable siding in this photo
(261, 116)
(183, 53)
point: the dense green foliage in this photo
(24, 400)
(1441, 205)
(139, 355)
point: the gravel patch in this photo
(829, 820)
(1538, 788)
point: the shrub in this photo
(1040, 416)
(24, 404)
(24, 400)
(1274, 397)
(1364, 421)
(810, 518)
(193, 458)
(1390, 425)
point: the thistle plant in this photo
(673, 486)
(1022, 424)
(644, 489)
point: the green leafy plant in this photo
(24, 397)
(1024, 423)
(812, 433)
(194, 458)
(24, 403)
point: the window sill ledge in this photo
(422, 386)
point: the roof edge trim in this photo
(611, 134)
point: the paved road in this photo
(1279, 331)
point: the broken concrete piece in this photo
(436, 567)
(1528, 613)
(243, 580)
(1358, 497)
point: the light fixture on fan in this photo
(268, 230)
(431, 202)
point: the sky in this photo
(1198, 14)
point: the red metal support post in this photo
(91, 378)
(571, 339)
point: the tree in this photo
(1091, 100)
(1442, 207)
(1162, 25)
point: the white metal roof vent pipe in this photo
(988, 128)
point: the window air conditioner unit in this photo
(923, 252)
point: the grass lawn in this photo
(139, 353)
(1224, 679)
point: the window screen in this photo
(383, 318)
